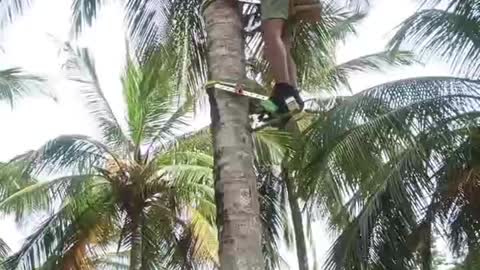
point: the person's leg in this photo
(291, 66)
(274, 24)
(275, 50)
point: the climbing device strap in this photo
(242, 89)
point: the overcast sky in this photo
(29, 44)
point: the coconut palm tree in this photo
(126, 191)
(232, 141)
(401, 166)
(391, 167)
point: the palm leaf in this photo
(10, 9)
(4, 249)
(84, 12)
(42, 196)
(12, 179)
(15, 84)
(55, 240)
(394, 103)
(271, 146)
(448, 34)
(155, 108)
(376, 165)
(112, 261)
(199, 140)
(80, 69)
(372, 62)
(77, 153)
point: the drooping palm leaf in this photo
(271, 146)
(112, 261)
(15, 84)
(377, 159)
(373, 62)
(84, 12)
(77, 153)
(4, 250)
(58, 236)
(450, 34)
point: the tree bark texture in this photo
(238, 217)
(300, 242)
(136, 247)
(296, 212)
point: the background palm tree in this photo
(198, 40)
(416, 138)
(129, 190)
(390, 167)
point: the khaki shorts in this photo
(274, 9)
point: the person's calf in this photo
(274, 50)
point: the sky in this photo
(30, 44)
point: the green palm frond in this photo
(373, 62)
(202, 239)
(450, 34)
(13, 178)
(271, 146)
(42, 196)
(198, 140)
(77, 153)
(186, 157)
(155, 106)
(64, 236)
(177, 236)
(192, 183)
(15, 84)
(377, 158)
(391, 204)
(387, 216)
(190, 176)
(112, 261)
(177, 25)
(80, 68)
(393, 107)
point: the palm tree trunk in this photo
(238, 217)
(136, 248)
(300, 242)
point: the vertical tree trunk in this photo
(136, 248)
(300, 242)
(238, 217)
